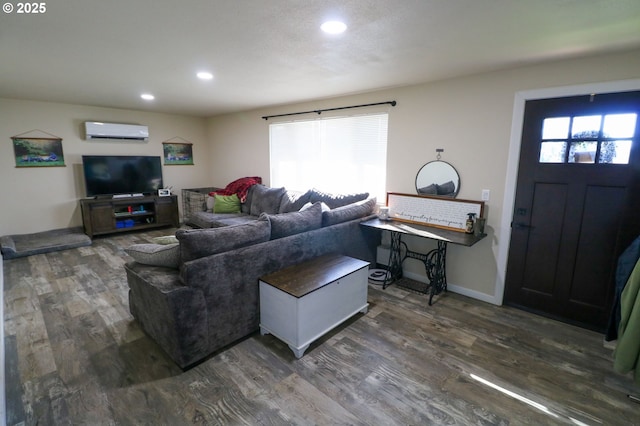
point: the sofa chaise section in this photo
(212, 300)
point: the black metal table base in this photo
(434, 262)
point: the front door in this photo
(577, 205)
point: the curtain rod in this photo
(320, 111)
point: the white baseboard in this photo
(456, 289)
(383, 259)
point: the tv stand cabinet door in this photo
(98, 218)
(167, 211)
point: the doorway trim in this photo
(514, 157)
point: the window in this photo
(588, 139)
(336, 155)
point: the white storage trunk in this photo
(301, 303)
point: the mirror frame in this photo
(436, 181)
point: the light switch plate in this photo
(485, 194)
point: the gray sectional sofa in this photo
(201, 294)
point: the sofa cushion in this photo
(234, 220)
(155, 254)
(167, 239)
(334, 201)
(226, 204)
(196, 243)
(210, 220)
(348, 212)
(292, 201)
(265, 200)
(285, 224)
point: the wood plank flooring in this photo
(74, 355)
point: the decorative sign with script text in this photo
(447, 213)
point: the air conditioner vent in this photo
(114, 131)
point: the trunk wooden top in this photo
(304, 278)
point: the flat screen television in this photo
(121, 174)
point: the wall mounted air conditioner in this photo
(128, 132)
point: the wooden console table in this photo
(434, 261)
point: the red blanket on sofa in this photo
(240, 187)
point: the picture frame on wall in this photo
(177, 153)
(38, 151)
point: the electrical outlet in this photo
(485, 194)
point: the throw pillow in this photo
(265, 200)
(334, 201)
(446, 188)
(226, 204)
(155, 254)
(325, 207)
(285, 224)
(292, 201)
(196, 243)
(429, 190)
(246, 206)
(348, 212)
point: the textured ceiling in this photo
(106, 53)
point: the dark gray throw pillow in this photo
(334, 201)
(292, 201)
(265, 200)
(446, 188)
(196, 243)
(429, 190)
(348, 212)
(285, 224)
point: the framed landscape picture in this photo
(177, 153)
(38, 152)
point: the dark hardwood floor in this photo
(74, 355)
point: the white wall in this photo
(469, 117)
(43, 198)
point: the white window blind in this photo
(336, 155)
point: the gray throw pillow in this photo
(155, 254)
(246, 206)
(292, 201)
(265, 200)
(348, 212)
(285, 224)
(446, 188)
(196, 243)
(429, 190)
(334, 201)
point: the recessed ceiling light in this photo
(203, 75)
(333, 27)
(147, 96)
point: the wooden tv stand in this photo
(110, 215)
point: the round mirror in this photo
(438, 178)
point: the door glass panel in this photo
(555, 128)
(615, 152)
(613, 145)
(583, 152)
(587, 126)
(553, 152)
(619, 125)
